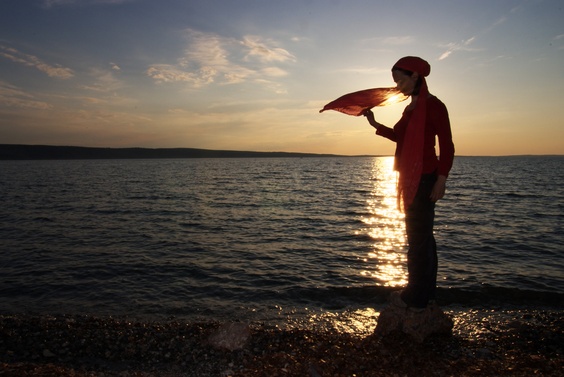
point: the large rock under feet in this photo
(419, 325)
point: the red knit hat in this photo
(414, 64)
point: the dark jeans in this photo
(422, 254)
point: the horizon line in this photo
(252, 152)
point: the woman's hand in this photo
(439, 188)
(370, 117)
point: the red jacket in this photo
(437, 124)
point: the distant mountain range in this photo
(47, 152)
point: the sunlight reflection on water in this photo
(360, 322)
(386, 227)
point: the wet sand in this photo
(485, 342)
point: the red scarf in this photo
(410, 160)
(358, 102)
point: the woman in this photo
(422, 175)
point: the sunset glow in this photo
(396, 98)
(252, 75)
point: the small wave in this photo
(519, 195)
(343, 297)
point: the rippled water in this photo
(253, 237)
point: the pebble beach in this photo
(484, 342)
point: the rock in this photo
(418, 325)
(230, 336)
(48, 353)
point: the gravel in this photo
(484, 342)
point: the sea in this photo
(268, 239)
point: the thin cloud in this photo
(265, 53)
(166, 73)
(397, 40)
(12, 96)
(465, 45)
(498, 22)
(272, 85)
(103, 81)
(274, 72)
(211, 58)
(205, 50)
(16, 56)
(458, 46)
(559, 38)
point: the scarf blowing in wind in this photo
(409, 163)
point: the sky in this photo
(253, 74)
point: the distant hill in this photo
(47, 152)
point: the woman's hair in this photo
(417, 86)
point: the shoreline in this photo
(484, 342)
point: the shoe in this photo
(395, 299)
